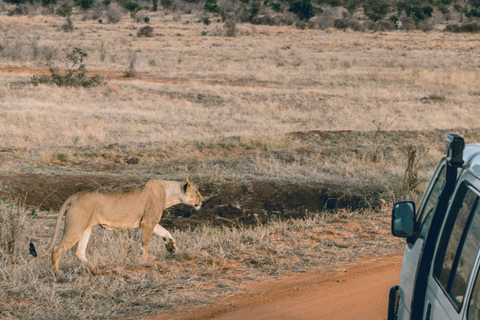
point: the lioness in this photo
(142, 207)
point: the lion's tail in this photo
(61, 213)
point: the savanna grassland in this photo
(262, 122)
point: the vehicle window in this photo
(458, 245)
(426, 214)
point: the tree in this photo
(65, 10)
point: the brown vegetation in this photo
(272, 123)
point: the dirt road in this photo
(358, 291)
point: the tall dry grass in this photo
(210, 262)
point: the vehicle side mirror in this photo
(403, 219)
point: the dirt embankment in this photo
(230, 203)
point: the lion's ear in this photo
(186, 186)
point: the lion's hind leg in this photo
(169, 241)
(66, 244)
(82, 246)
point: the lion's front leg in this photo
(169, 241)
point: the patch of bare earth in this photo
(358, 290)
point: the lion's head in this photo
(191, 196)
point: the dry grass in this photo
(220, 108)
(210, 262)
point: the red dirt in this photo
(119, 75)
(357, 291)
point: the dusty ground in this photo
(359, 291)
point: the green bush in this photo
(373, 16)
(394, 19)
(303, 9)
(71, 77)
(132, 7)
(47, 3)
(276, 6)
(473, 13)
(419, 13)
(210, 6)
(84, 4)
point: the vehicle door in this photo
(414, 244)
(456, 253)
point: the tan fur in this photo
(142, 207)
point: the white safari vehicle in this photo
(440, 269)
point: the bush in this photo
(303, 9)
(425, 25)
(473, 27)
(419, 13)
(114, 14)
(47, 3)
(394, 19)
(12, 221)
(210, 6)
(373, 16)
(84, 4)
(71, 77)
(276, 6)
(146, 31)
(166, 4)
(473, 13)
(132, 7)
(408, 24)
(345, 23)
(383, 25)
(231, 27)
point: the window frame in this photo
(444, 240)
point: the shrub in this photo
(47, 3)
(132, 7)
(84, 4)
(303, 9)
(394, 19)
(408, 24)
(231, 27)
(132, 60)
(419, 13)
(210, 6)
(12, 220)
(473, 13)
(114, 14)
(373, 16)
(276, 6)
(383, 25)
(206, 21)
(65, 10)
(345, 23)
(71, 77)
(146, 31)
(473, 27)
(166, 4)
(425, 25)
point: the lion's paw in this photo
(171, 247)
